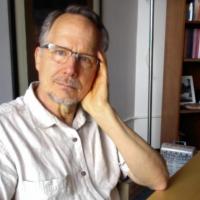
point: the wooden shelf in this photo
(187, 111)
(192, 24)
(191, 60)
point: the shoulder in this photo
(11, 107)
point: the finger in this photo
(102, 57)
(103, 63)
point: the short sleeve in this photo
(123, 166)
(8, 177)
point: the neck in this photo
(67, 113)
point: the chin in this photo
(65, 99)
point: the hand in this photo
(97, 98)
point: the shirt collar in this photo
(79, 119)
(45, 119)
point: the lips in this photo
(67, 86)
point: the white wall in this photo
(6, 93)
(120, 18)
(141, 83)
(128, 25)
(21, 46)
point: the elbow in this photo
(162, 184)
(163, 179)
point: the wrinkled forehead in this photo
(76, 27)
(67, 18)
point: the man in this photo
(63, 140)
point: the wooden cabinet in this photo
(178, 123)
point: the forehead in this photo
(67, 18)
(74, 28)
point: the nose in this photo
(70, 67)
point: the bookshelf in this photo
(179, 123)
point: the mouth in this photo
(67, 87)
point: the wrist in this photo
(102, 112)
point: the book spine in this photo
(197, 10)
(194, 44)
(188, 43)
(190, 14)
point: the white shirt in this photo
(41, 158)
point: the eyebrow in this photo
(67, 48)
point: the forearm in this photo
(145, 165)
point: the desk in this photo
(184, 185)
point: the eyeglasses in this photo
(61, 54)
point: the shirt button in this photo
(74, 139)
(83, 173)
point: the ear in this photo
(37, 58)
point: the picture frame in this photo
(187, 91)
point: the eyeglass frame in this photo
(75, 54)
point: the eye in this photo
(60, 52)
(85, 59)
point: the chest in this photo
(56, 152)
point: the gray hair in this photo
(80, 10)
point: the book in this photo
(197, 10)
(188, 43)
(196, 44)
(190, 11)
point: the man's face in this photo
(70, 81)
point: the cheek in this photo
(43, 74)
(46, 71)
